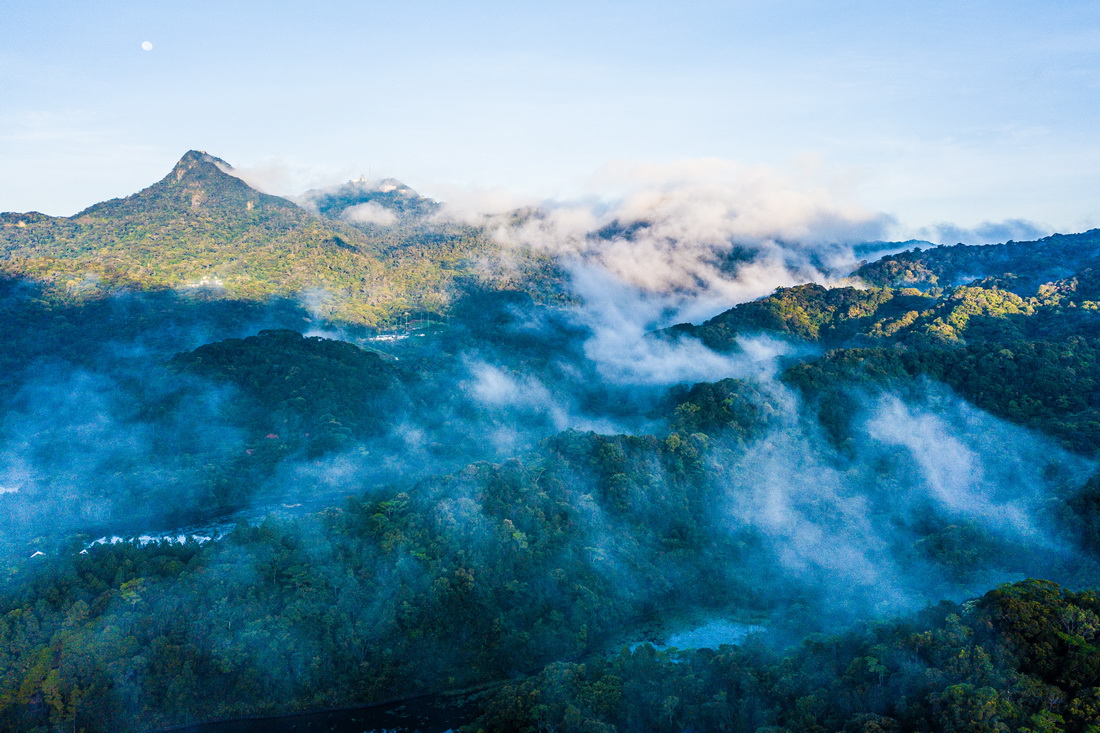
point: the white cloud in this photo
(370, 213)
(698, 226)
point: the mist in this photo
(924, 498)
(678, 242)
(704, 234)
(856, 522)
(532, 481)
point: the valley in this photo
(408, 455)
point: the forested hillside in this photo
(1022, 658)
(1028, 358)
(203, 229)
(230, 502)
(1023, 265)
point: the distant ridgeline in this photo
(938, 296)
(369, 248)
(1014, 328)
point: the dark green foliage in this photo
(809, 312)
(1053, 633)
(1050, 386)
(1084, 508)
(1030, 360)
(306, 391)
(1029, 263)
(847, 317)
(496, 570)
(503, 569)
(729, 408)
(493, 571)
(1023, 657)
(154, 324)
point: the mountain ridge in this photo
(937, 296)
(203, 229)
(368, 202)
(859, 477)
(196, 172)
(1030, 263)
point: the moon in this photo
(146, 46)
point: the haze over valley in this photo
(379, 449)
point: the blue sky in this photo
(966, 113)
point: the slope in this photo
(1024, 265)
(204, 230)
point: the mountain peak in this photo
(200, 156)
(208, 177)
(369, 201)
(198, 182)
(199, 161)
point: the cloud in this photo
(475, 205)
(620, 318)
(370, 213)
(848, 521)
(77, 446)
(695, 227)
(283, 178)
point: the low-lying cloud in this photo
(699, 226)
(370, 213)
(850, 522)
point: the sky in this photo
(961, 120)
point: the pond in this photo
(709, 635)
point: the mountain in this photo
(370, 203)
(851, 317)
(198, 226)
(313, 392)
(1021, 342)
(501, 507)
(1020, 266)
(937, 296)
(203, 229)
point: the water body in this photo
(709, 635)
